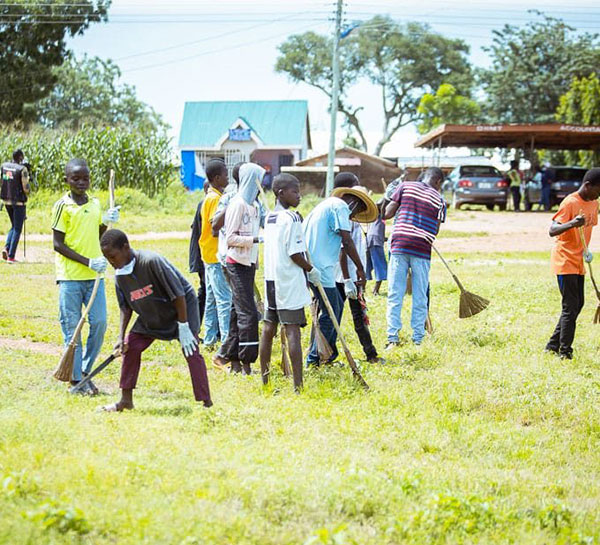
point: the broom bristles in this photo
(324, 350)
(471, 304)
(64, 371)
(597, 315)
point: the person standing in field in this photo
(346, 278)
(196, 265)
(286, 268)
(376, 261)
(515, 181)
(327, 229)
(77, 225)
(577, 210)
(218, 293)
(167, 309)
(418, 209)
(242, 224)
(14, 192)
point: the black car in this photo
(476, 184)
(566, 180)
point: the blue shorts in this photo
(376, 262)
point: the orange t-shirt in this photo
(567, 254)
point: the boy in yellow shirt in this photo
(77, 225)
(579, 209)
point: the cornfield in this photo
(140, 161)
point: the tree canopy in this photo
(33, 36)
(404, 60)
(533, 66)
(446, 106)
(87, 91)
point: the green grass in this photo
(476, 437)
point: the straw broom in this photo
(323, 349)
(585, 246)
(470, 304)
(64, 370)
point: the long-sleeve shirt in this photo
(242, 223)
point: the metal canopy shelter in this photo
(545, 136)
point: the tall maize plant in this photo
(140, 161)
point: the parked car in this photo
(476, 184)
(566, 180)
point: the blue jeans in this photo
(545, 198)
(73, 295)
(218, 303)
(16, 215)
(397, 274)
(325, 323)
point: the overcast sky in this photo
(183, 50)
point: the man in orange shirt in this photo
(578, 210)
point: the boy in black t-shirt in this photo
(167, 309)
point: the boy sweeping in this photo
(167, 309)
(577, 210)
(285, 282)
(77, 225)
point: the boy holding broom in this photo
(77, 225)
(285, 281)
(577, 210)
(167, 309)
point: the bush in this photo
(140, 161)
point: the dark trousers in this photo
(545, 197)
(132, 359)
(572, 290)
(516, 195)
(16, 215)
(241, 343)
(201, 295)
(325, 323)
(359, 317)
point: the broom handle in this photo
(449, 269)
(86, 310)
(585, 247)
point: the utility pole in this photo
(334, 96)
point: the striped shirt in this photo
(417, 221)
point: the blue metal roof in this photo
(275, 122)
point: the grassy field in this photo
(475, 437)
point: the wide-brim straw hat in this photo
(366, 216)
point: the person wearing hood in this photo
(242, 223)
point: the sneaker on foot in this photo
(5, 254)
(220, 362)
(11, 260)
(391, 345)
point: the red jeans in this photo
(132, 359)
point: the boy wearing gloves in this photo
(77, 225)
(167, 309)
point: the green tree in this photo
(33, 37)
(581, 105)
(533, 66)
(446, 106)
(87, 91)
(404, 60)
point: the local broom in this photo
(64, 370)
(470, 304)
(585, 247)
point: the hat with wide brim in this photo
(366, 216)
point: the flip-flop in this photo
(112, 408)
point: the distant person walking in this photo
(418, 209)
(548, 177)
(14, 192)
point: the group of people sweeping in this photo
(321, 259)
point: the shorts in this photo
(376, 262)
(285, 317)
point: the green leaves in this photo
(446, 106)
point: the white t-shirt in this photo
(284, 237)
(358, 237)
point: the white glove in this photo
(186, 339)
(588, 256)
(261, 239)
(111, 215)
(98, 264)
(350, 289)
(314, 276)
